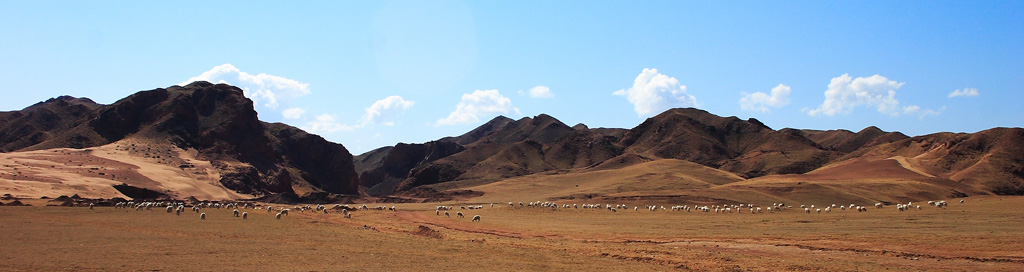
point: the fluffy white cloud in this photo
(540, 92)
(760, 101)
(326, 123)
(477, 104)
(653, 93)
(966, 92)
(293, 113)
(385, 109)
(845, 93)
(262, 88)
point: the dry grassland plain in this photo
(983, 234)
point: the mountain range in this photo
(257, 158)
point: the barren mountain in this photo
(847, 141)
(745, 147)
(252, 157)
(386, 167)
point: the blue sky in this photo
(369, 74)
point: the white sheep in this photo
(476, 218)
(446, 214)
(460, 215)
(245, 215)
(278, 216)
(90, 205)
(235, 213)
(202, 216)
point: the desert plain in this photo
(982, 234)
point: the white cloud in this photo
(262, 88)
(760, 101)
(380, 112)
(293, 113)
(921, 113)
(540, 92)
(653, 93)
(477, 104)
(966, 92)
(385, 109)
(326, 123)
(845, 93)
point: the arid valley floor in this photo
(982, 234)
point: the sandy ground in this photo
(983, 234)
(92, 172)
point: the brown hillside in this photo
(991, 159)
(371, 159)
(581, 148)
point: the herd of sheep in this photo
(722, 208)
(239, 209)
(178, 207)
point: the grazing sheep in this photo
(278, 216)
(202, 216)
(348, 215)
(284, 211)
(446, 214)
(235, 213)
(90, 205)
(476, 218)
(460, 215)
(245, 215)
(961, 201)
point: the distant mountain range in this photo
(260, 158)
(990, 160)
